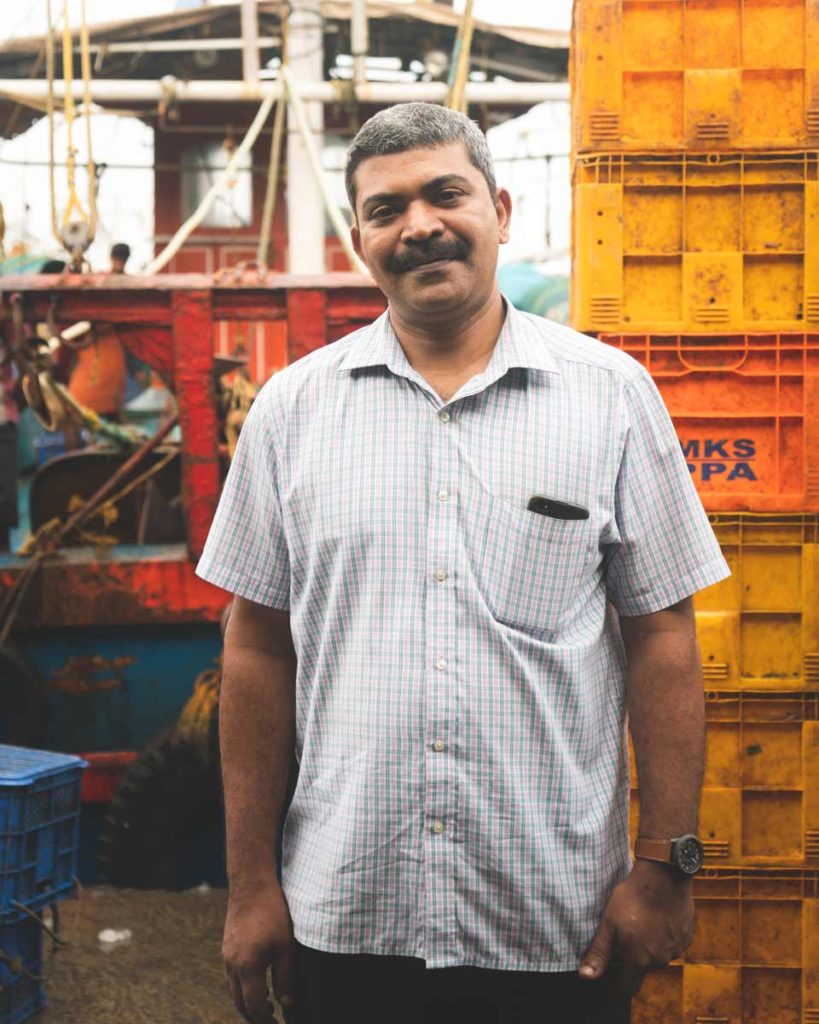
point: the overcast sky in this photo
(29, 18)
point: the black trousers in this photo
(367, 989)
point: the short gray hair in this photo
(417, 126)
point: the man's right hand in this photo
(259, 934)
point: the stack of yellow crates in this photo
(696, 249)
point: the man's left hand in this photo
(648, 921)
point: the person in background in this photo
(120, 254)
(99, 378)
(138, 374)
(99, 375)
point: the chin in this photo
(438, 293)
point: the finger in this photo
(598, 955)
(235, 990)
(255, 995)
(283, 975)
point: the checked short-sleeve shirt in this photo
(460, 709)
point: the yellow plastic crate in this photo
(760, 802)
(759, 629)
(754, 957)
(724, 242)
(695, 75)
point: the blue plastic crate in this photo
(39, 827)
(22, 992)
(49, 446)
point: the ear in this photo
(503, 208)
(355, 237)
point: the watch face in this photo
(688, 855)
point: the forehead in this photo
(411, 169)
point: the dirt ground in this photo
(168, 972)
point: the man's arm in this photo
(666, 707)
(649, 919)
(256, 732)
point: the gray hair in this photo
(417, 126)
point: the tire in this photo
(164, 828)
(23, 699)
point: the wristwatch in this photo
(685, 853)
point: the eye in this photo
(381, 213)
(449, 195)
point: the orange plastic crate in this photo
(696, 244)
(754, 957)
(695, 74)
(760, 803)
(746, 409)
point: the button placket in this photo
(440, 810)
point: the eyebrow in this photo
(428, 187)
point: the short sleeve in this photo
(665, 549)
(246, 551)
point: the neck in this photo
(450, 341)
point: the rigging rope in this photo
(459, 67)
(78, 227)
(220, 185)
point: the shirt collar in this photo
(519, 343)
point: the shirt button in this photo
(441, 664)
(443, 495)
(444, 416)
(440, 575)
(437, 827)
(438, 745)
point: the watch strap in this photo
(654, 849)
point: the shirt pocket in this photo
(529, 567)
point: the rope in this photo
(36, 917)
(270, 196)
(219, 186)
(339, 224)
(195, 717)
(50, 112)
(274, 164)
(91, 169)
(51, 534)
(237, 399)
(459, 68)
(78, 227)
(71, 157)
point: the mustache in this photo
(409, 259)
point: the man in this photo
(120, 254)
(423, 525)
(99, 379)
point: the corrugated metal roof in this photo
(161, 25)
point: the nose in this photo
(421, 222)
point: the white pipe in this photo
(177, 45)
(360, 41)
(151, 91)
(250, 41)
(341, 227)
(305, 206)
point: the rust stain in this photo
(90, 674)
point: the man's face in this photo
(428, 229)
(117, 265)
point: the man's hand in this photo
(648, 921)
(259, 934)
